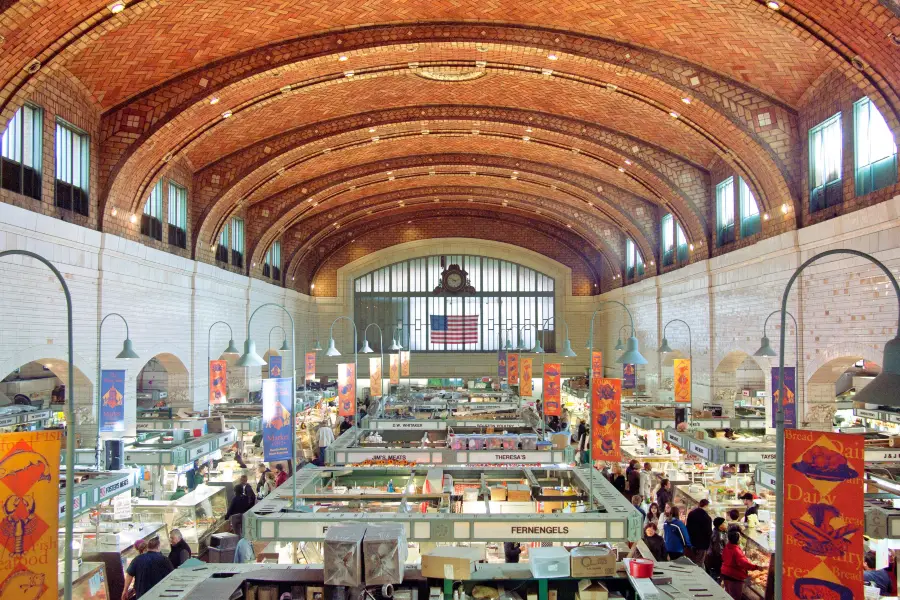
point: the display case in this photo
(197, 515)
(757, 546)
(88, 582)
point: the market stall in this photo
(197, 514)
(21, 416)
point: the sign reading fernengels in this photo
(497, 531)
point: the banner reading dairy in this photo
(596, 364)
(112, 400)
(512, 368)
(395, 369)
(375, 376)
(275, 363)
(526, 378)
(552, 390)
(790, 403)
(606, 413)
(682, 367)
(347, 389)
(218, 388)
(278, 426)
(310, 365)
(404, 363)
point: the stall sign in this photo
(510, 456)
(697, 449)
(423, 456)
(823, 514)
(347, 389)
(278, 426)
(629, 377)
(501, 364)
(752, 457)
(766, 479)
(394, 369)
(538, 530)
(674, 438)
(882, 455)
(122, 507)
(404, 363)
(395, 425)
(310, 367)
(682, 367)
(552, 390)
(37, 416)
(745, 393)
(8, 421)
(606, 414)
(112, 400)
(275, 366)
(866, 414)
(512, 368)
(596, 363)
(525, 380)
(375, 376)
(790, 406)
(29, 481)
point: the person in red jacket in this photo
(735, 566)
(280, 474)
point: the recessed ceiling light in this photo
(227, 114)
(525, 138)
(766, 217)
(784, 209)
(348, 73)
(214, 100)
(342, 57)
(673, 114)
(371, 130)
(133, 218)
(691, 247)
(627, 161)
(686, 100)
(552, 56)
(116, 7)
(528, 130)
(621, 169)
(409, 222)
(652, 263)
(390, 172)
(515, 172)
(773, 5)
(115, 212)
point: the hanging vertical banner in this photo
(596, 364)
(404, 363)
(310, 365)
(347, 388)
(526, 378)
(629, 377)
(501, 364)
(29, 498)
(375, 376)
(275, 363)
(790, 403)
(552, 390)
(395, 369)
(512, 368)
(218, 390)
(112, 400)
(606, 409)
(278, 427)
(823, 515)
(682, 368)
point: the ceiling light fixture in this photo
(774, 5)
(528, 130)
(227, 114)
(342, 57)
(133, 218)
(627, 162)
(115, 212)
(525, 138)
(686, 100)
(116, 7)
(371, 130)
(691, 247)
(214, 100)
(552, 56)
(784, 209)
(621, 169)
(673, 114)
(765, 216)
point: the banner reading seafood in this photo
(606, 410)
(526, 378)
(552, 390)
(682, 367)
(395, 369)
(596, 364)
(112, 400)
(512, 368)
(29, 514)
(278, 427)
(347, 388)
(218, 387)
(404, 363)
(375, 376)
(310, 365)
(823, 515)
(790, 403)
(275, 363)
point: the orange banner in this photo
(404, 363)
(375, 376)
(823, 514)
(512, 369)
(310, 365)
(606, 411)
(30, 508)
(596, 364)
(218, 390)
(552, 390)
(346, 389)
(525, 380)
(395, 369)
(682, 380)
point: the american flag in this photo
(454, 329)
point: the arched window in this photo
(433, 310)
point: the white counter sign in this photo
(536, 530)
(510, 456)
(699, 450)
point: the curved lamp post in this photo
(126, 353)
(284, 344)
(333, 351)
(231, 349)
(665, 348)
(251, 359)
(766, 350)
(70, 421)
(367, 349)
(396, 342)
(619, 344)
(881, 390)
(567, 347)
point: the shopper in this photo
(663, 495)
(716, 548)
(248, 489)
(345, 425)
(239, 504)
(655, 543)
(581, 436)
(752, 509)
(647, 481)
(633, 480)
(280, 474)
(699, 526)
(735, 566)
(617, 478)
(146, 570)
(140, 546)
(326, 436)
(269, 484)
(243, 551)
(880, 577)
(512, 551)
(677, 537)
(636, 502)
(734, 520)
(653, 514)
(261, 469)
(180, 552)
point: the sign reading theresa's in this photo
(218, 387)
(536, 530)
(823, 514)
(275, 365)
(512, 368)
(606, 411)
(347, 388)
(29, 514)
(375, 376)
(511, 456)
(552, 390)
(310, 365)
(404, 363)
(526, 378)
(394, 370)
(790, 387)
(278, 426)
(112, 400)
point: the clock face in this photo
(454, 281)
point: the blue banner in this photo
(274, 366)
(629, 377)
(501, 364)
(790, 402)
(278, 427)
(112, 400)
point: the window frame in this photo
(237, 242)
(222, 247)
(874, 174)
(830, 191)
(634, 262)
(272, 263)
(177, 215)
(69, 195)
(667, 234)
(750, 224)
(16, 174)
(725, 213)
(151, 218)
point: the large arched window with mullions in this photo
(457, 304)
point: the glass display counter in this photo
(88, 582)
(114, 547)
(197, 515)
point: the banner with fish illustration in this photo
(310, 365)
(394, 369)
(512, 368)
(375, 376)
(629, 377)
(823, 515)
(552, 390)
(112, 400)
(501, 364)
(682, 367)
(29, 514)
(275, 363)
(404, 363)
(790, 403)
(278, 427)
(218, 389)
(596, 363)
(526, 378)
(606, 411)
(347, 388)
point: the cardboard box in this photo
(215, 424)
(384, 553)
(342, 554)
(560, 441)
(593, 561)
(516, 492)
(450, 562)
(592, 591)
(550, 506)
(498, 494)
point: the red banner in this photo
(606, 412)
(552, 390)
(512, 369)
(375, 376)
(682, 369)
(218, 390)
(525, 380)
(347, 389)
(310, 365)
(395, 369)
(404, 363)
(823, 513)
(596, 364)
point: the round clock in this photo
(454, 282)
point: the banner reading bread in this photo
(375, 376)
(606, 408)
(823, 514)
(278, 427)
(218, 389)
(347, 388)
(596, 364)
(682, 379)
(404, 363)
(29, 514)
(512, 369)
(501, 364)
(275, 363)
(310, 365)
(790, 403)
(629, 377)
(395, 369)
(112, 400)
(552, 390)
(526, 378)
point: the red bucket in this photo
(640, 568)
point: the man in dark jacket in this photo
(663, 495)
(248, 489)
(180, 552)
(699, 526)
(146, 570)
(240, 504)
(512, 550)
(261, 470)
